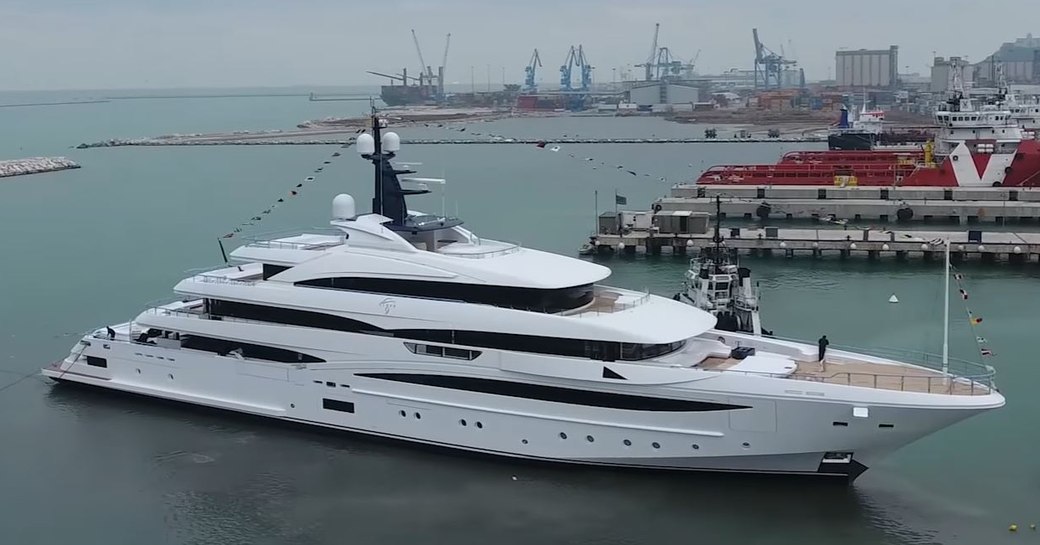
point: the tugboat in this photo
(715, 284)
(866, 132)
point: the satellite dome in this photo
(343, 207)
(366, 145)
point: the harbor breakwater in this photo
(426, 141)
(34, 165)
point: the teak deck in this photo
(869, 375)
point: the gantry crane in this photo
(575, 57)
(530, 85)
(769, 66)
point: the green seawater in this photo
(92, 246)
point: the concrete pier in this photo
(960, 205)
(34, 165)
(816, 243)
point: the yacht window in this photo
(722, 286)
(271, 270)
(442, 351)
(531, 299)
(262, 313)
(557, 346)
(337, 405)
(633, 352)
(224, 347)
(554, 394)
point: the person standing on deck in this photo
(822, 344)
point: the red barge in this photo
(974, 147)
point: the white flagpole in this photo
(946, 315)
(595, 217)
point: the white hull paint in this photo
(781, 431)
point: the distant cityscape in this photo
(666, 82)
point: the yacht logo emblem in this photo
(387, 305)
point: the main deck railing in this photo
(956, 377)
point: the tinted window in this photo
(336, 405)
(442, 351)
(253, 351)
(533, 299)
(263, 313)
(555, 394)
(558, 346)
(271, 270)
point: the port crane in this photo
(575, 58)
(650, 60)
(586, 70)
(662, 64)
(426, 71)
(530, 85)
(769, 67)
(444, 60)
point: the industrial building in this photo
(1019, 60)
(943, 71)
(867, 67)
(663, 92)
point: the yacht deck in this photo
(867, 374)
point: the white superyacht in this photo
(408, 326)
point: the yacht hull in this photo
(743, 433)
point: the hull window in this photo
(94, 361)
(555, 394)
(337, 405)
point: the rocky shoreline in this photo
(35, 165)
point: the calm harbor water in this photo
(92, 246)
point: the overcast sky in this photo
(100, 44)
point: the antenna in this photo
(370, 146)
(717, 237)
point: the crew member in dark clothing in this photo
(822, 343)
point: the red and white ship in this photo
(974, 147)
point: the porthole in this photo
(655, 444)
(138, 371)
(418, 416)
(462, 422)
(292, 405)
(563, 435)
(480, 426)
(402, 413)
(171, 376)
(590, 438)
(745, 444)
(524, 441)
(695, 446)
(627, 443)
